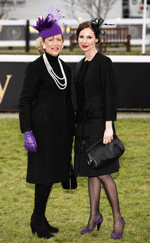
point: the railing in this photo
(17, 33)
(119, 35)
(135, 28)
(14, 33)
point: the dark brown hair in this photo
(88, 24)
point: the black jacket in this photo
(99, 86)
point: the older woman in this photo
(46, 119)
(96, 99)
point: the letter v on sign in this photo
(2, 91)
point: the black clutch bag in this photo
(100, 155)
(72, 182)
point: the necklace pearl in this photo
(54, 75)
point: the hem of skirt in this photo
(81, 175)
(46, 182)
(43, 182)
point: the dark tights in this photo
(42, 192)
(94, 185)
(38, 219)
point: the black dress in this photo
(96, 103)
(48, 111)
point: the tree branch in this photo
(108, 5)
(70, 6)
(86, 7)
(3, 9)
(94, 8)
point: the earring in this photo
(44, 47)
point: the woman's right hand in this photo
(30, 141)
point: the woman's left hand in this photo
(108, 134)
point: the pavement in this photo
(9, 115)
(119, 115)
(133, 115)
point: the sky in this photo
(34, 9)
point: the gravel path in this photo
(9, 115)
(119, 115)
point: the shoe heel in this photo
(98, 226)
(86, 230)
(33, 231)
(43, 233)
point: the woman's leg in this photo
(111, 192)
(94, 186)
(42, 192)
(38, 222)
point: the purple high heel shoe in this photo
(118, 235)
(98, 223)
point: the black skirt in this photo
(86, 134)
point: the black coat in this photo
(47, 110)
(95, 88)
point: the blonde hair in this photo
(39, 46)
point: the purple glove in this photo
(30, 141)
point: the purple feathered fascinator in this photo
(49, 26)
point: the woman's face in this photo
(87, 39)
(53, 44)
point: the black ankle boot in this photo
(38, 224)
(50, 228)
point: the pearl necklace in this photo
(54, 75)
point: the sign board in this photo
(12, 3)
(132, 80)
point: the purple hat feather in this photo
(48, 27)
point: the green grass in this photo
(76, 51)
(69, 210)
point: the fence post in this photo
(144, 28)
(27, 37)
